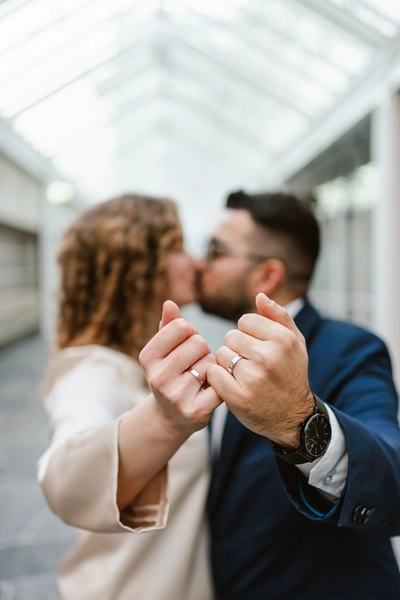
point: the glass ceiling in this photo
(84, 81)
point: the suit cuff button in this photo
(356, 514)
(362, 514)
(368, 515)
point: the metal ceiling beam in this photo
(37, 32)
(361, 99)
(261, 22)
(92, 29)
(242, 78)
(345, 21)
(108, 158)
(172, 127)
(78, 77)
(123, 151)
(248, 41)
(220, 119)
(20, 4)
(376, 12)
(197, 107)
(128, 72)
(121, 112)
(127, 149)
(188, 73)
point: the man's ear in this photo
(269, 277)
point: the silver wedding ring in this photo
(197, 375)
(233, 362)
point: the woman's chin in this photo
(185, 300)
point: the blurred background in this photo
(189, 99)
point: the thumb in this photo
(273, 311)
(169, 313)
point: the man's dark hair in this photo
(285, 214)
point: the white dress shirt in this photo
(328, 473)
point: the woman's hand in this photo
(183, 400)
(180, 404)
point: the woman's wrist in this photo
(175, 425)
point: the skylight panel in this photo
(382, 16)
(223, 10)
(347, 55)
(34, 15)
(65, 118)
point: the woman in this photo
(105, 470)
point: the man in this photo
(306, 495)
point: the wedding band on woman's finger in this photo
(197, 375)
(233, 362)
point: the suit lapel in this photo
(222, 464)
(308, 321)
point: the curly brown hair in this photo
(114, 273)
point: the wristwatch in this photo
(315, 435)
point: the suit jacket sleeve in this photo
(355, 379)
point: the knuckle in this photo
(247, 318)
(153, 380)
(200, 343)
(289, 339)
(273, 363)
(259, 356)
(142, 356)
(210, 360)
(258, 374)
(212, 373)
(237, 339)
(240, 401)
(249, 321)
(220, 353)
(181, 325)
(230, 337)
(158, 379)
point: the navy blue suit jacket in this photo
(269, 541)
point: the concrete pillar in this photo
(386, 233)
(386, 226)
(56, 218)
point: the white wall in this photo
(20, 211)
(20, 197)
(30, 232)
(55, 220)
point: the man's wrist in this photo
(290, 438)
(315, 437)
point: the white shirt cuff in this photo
(329, 473)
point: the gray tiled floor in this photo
(32, 539)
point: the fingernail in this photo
(268, 300)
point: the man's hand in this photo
(167, 359)
(268, 390)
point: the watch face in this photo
(317, 435)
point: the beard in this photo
(230, 307)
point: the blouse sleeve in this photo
(79, 471)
